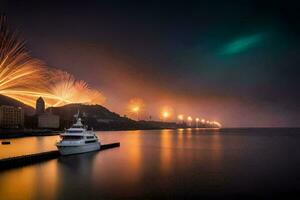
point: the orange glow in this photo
(217, 124)
(135, 106)
(180, 117)
(190, 118)
(203, 121)
(197, 119)
(165, 114)
(136, 109)
(166, 151)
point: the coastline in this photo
(41, 133)
(9, 134)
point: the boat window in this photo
(74, 131)
(90, 137)
(77, 126)
(90, 141)
(72, 137)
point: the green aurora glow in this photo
(241, 44)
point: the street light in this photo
(197, 120)
(180, 118)
(190, 119)
(217, 124)
(136, 110)
(165, 115)
(136, 106)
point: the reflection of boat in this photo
(78, 139)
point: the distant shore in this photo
(10, 134)
(15, 133)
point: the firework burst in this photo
(65, 89)
(20, 75)
(25, 79)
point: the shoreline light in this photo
(166, 114)
(180, 117)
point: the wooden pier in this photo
(39, 157)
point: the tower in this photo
(40, 106)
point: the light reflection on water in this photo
(28, 145)
(157, 164)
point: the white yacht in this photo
(78, 139)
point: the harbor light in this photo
(180, 117)
(136, 106)
(190, 119)
(217, 124)
(203, 121)
(165, 114)
(136, 109)
(197, 121)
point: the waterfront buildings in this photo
(48, 120)
(11, 117)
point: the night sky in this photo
(236, 62)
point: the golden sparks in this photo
(25, 78)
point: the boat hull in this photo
(69, 150)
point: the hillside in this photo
(89, 111)
(95, 116)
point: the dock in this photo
(40, 157)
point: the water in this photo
(161, 164)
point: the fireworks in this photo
(65, 89)
(25, 79)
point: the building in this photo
(48, 120)
(40, 106)
(11, 117)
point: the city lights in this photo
(136, 106)
(166, 114)
(197, 121)
(189, 119)
(180, 117)
(136, 109)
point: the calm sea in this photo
(166, 164)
